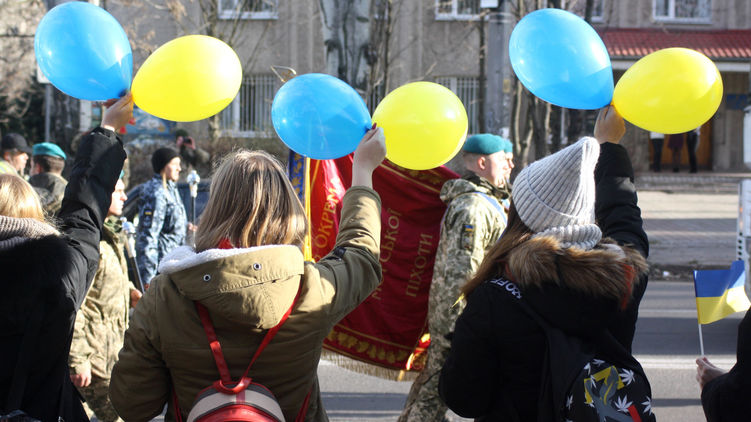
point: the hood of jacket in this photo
(577, 290)
(251, 287)
(469, 184)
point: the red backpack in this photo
(245, 400)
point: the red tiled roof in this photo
(638, 42)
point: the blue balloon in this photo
(319, 116)
(560, 58)
(84, 52)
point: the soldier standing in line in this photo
(47, 164)
(474, 221)
(101, 322)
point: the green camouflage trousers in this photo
(98, 400)
(423, 402)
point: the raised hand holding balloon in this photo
(673, 90)
(319, 116)
(84, 52)
(560, 58)
(189, 78)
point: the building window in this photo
(457, 9)
(248, 9)
(597, 10)
(598, 6)
(683, 10)
(249, 114)
(467, 89)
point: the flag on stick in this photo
(720, 293)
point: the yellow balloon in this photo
(669, 91)
(189, 78)
(424, 124)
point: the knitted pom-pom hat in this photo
(555, 196)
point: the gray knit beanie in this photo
(555, 196)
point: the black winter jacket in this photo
(494, 369)
(51, 275)
(726, 398)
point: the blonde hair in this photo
(18, 199)
(251, 203)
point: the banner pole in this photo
(701, 341)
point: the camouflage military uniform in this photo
(7, 168)
(101, 322)
(162, 223)
(51, 188)
(473, 223)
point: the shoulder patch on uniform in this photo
(468, 237)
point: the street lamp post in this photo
(499, 75)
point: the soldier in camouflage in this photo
(101, 322)
(162, 220)
(474, 221)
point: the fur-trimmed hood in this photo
(575, 289)
(253, 287)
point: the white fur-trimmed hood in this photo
(185, 257)
(251, 287)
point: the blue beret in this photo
(508, 147)
(48, 148)
(486, 143)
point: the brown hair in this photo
(251, 203)
(49, 164)
(18, 199)
(495, 260)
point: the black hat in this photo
(161, 157)
(15, 141)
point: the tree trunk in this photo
(346, 35)
(65, 121)
(382, 19)
(482, 79)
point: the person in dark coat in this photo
(563, 253)
(47, 271)
(725, 395)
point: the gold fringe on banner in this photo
(367, 368)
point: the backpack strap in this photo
(221, 363)
(216, 348)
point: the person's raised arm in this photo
(616, 208)
(118, 113)
(351, 271)
(368, 156)
(95, 171)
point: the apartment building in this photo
(439, 40)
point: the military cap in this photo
(48, 148)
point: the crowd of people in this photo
(562, 250)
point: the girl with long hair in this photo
(246, 270)
(573, 252)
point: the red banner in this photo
(386, 329)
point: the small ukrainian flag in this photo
(720, 293)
